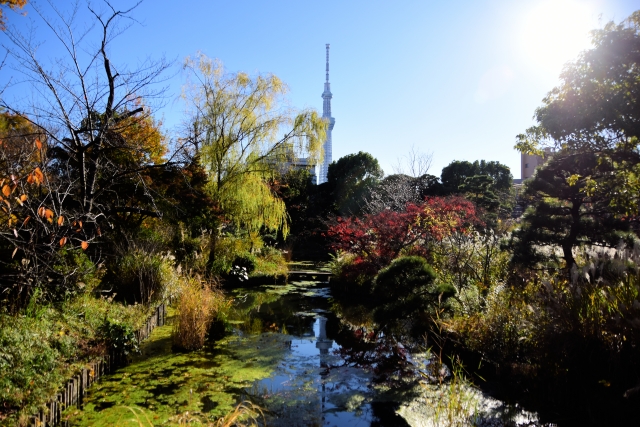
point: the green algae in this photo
(161, 387)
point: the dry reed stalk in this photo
(198, 305)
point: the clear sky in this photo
(458, 79)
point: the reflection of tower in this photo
(326, 114)
(322, 342)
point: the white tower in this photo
(326, 114)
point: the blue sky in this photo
(458, 79)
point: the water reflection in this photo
(313, 385)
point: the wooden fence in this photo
(73, 392)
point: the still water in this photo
(288, 352)
(314, 384)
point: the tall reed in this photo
(199, 303)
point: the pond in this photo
(290, 354)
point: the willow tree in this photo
(243, 131)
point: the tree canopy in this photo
(595, 109)
(563, 215)
(241, 130)
(351, 178)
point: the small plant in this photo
(119, 336)
(452, 403)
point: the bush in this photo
(270, 262)
(199, 303)
(406, 287)
(246, 261)
(44, 345)
(119, 336)
(31, 368)
(141, 277)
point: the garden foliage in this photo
(377, 239)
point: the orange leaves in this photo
(39, 175)
(6, 190)
(36, 177)
(60, 220)
(63, 241)
(84, 245)
(45, 213)
(38, 144)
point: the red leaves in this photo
(378, 239)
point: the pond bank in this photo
(289, 353)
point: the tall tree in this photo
(241, 129)
(350, 179)
(487, 184)
(596, 109)
(90, 111)
(563, 214)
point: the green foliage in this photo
(487, 184)
(457, 172)
(41, 349)
(565, 214)
(140, 276)
(473, 263)
(270, 262)
(351, 178)
(31, 367)
(595, 109)
(119, 336)
(238, 123)
(406, 287)
(75, 264)
(245, 260)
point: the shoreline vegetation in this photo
(530, 292)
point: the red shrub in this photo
(378, 239)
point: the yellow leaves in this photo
(573, 180)
(84, 245)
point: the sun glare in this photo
(555, 31)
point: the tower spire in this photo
(326, 114)
(327, 62)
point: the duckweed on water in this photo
(162, 386)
